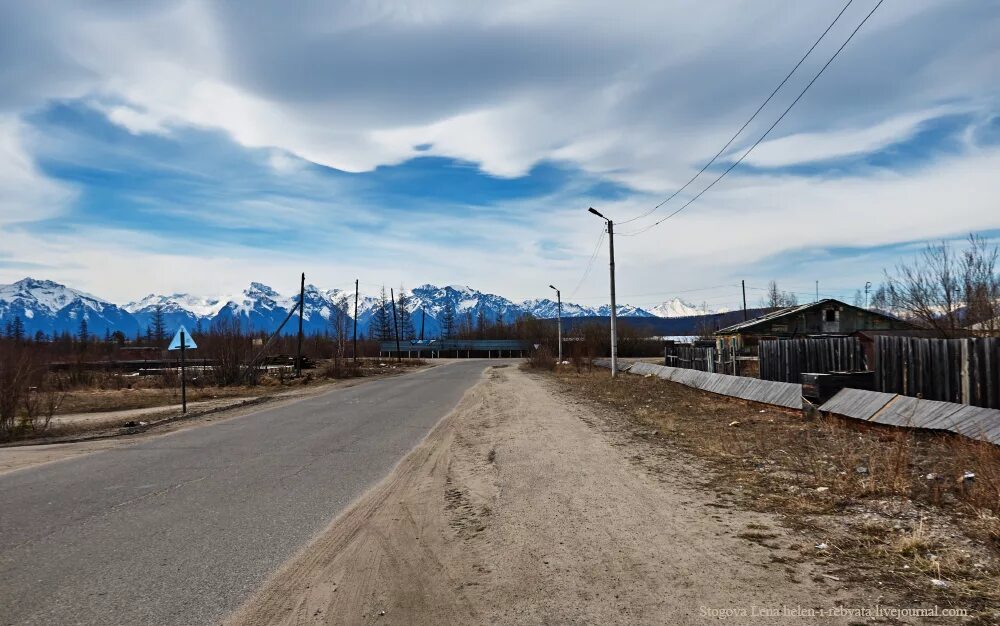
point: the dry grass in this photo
(893, 501)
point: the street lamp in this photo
(559, 318)
(614, 309)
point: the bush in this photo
(542, 359)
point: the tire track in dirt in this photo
(520, 507)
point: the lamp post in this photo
(559, 319)
(614, 309)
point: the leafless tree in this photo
(945, 291)
(775, 298)
(981, 286)
(18, 373)
(231, 351)
(340, 323)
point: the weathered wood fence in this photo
(966, 371)
(697, 358)
(786, 359)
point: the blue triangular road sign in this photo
(189, 343)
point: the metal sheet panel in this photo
(975, 422)
(916, 413)
(857, 403)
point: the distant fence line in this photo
(966, 371)
(786, 360)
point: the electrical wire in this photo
(590, 263)
(766, 133)
(745, 124)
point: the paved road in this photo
(180, 529)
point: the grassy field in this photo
(888, 507)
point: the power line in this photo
(590, 264)
(745, 124)
(766, 133)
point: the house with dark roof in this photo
(828, 317)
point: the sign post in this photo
(182, 341)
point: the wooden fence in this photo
(690, 357)
(785, 360)
(966, 371)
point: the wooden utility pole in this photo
(395, 326)
(355, 320)
(302, 306)
(614, 309)
(184, 399)
(743, 284)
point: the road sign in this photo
(175, 343)
(182, 341)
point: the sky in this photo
(195, 147)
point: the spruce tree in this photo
(481, 323)
(17, 330)
(84, 334)
(383, 319)
(159, 326)
(448, 320)
(406, 332)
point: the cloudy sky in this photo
(196, 146)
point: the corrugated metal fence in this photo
(966, 371)
(786, 359)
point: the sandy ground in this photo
(100, 418)
(523, 506)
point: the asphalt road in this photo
(180, 529)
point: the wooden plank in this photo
(857, 403)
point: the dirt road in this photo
(525, 507)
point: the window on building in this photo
(831, 315)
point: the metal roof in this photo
(773, 315)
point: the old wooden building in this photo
(827, 317)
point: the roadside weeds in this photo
(892, 508)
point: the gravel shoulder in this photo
(525, 505)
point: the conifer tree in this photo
(448, 320)
(406, 332)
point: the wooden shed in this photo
(828, 317)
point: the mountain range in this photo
(50, 308)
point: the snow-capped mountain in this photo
(179, 308)
(54, 308)
(546, 308)
(675, 307)
(46, 306)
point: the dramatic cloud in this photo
(240, 123)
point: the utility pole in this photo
(817, 291)
(355, 320)
(614, 309)
(743, 284)
(302, 306)
(559, 320)
(184, 398)
(395, 326)
(868, 287)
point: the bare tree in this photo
(231, 351)
(981, 286)
(775, 298)
(340, 322)
(945, 291)
(18, 372)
